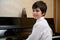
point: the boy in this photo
(41, 29)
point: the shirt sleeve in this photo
(35, 35)
(47, 35)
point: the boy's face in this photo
(37, 13)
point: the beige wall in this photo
(13, 8)
(9, 8)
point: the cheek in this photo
(35, 14)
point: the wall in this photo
(9, 8)
(13, 8)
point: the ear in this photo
(43, 14)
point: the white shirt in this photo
(41, 30)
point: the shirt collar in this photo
(40, 19)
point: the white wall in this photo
(13, 8)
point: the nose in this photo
(34, 12)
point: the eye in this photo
(37, 10)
